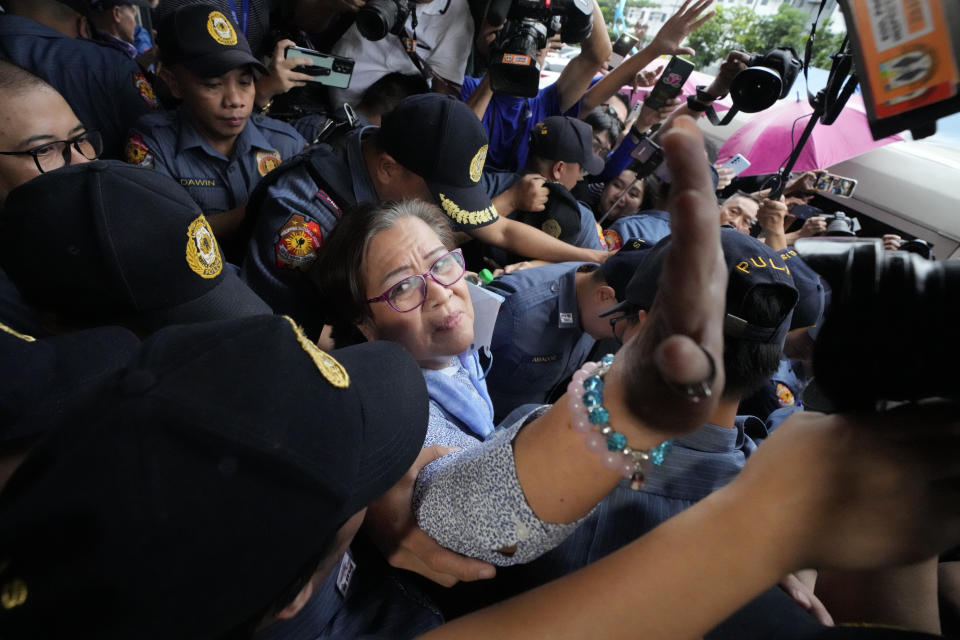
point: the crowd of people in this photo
(413, 356)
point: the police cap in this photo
(204, 40)
(182, 497)
(107, 242)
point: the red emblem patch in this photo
(145, 89)
(136, 152)
(327, 200)
(612, 239)
(785, 395)
(297, 243)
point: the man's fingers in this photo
(429, 454)
(447, 562)
(681, 361)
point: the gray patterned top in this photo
(471, 502)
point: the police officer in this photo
(211, 144)
(105, 88)
(430, 147)
(549, 322)
(561, 150)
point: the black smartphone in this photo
(332, 71)
(622, 48)
(670, 83)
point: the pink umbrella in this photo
(768, 138)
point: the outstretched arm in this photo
(667, 42)
(576, 76)
(884, 494)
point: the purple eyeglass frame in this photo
(385, 296)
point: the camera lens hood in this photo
(755, 89)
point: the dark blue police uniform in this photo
(295, 215)
(168, 142)
(537, 340)
(652, 226)
(106, 89)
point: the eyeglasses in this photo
(600, 147)
(613, 325)
(411, 292)
(56, 154)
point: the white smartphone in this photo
(738, 164)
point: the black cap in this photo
(567, 139)
(182, 497)
(88, 6)
(108, 242)
(750, 263)
(46, 369)
(619, 268)
(811, 302)
(441, 139)
(204, 40)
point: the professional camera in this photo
(920, 247)
(839, 224)
(529, 23)
(766, 79)
(377, 18)
(888, 334)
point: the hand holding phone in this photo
(670, 83)
(327, 69)
(737, 164)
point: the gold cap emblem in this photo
(220, 29)
(13, 594)
(203, 255)
(327, 365)
(476, 165)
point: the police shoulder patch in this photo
(203, 255)
(267, 161)
(612, 239)
(785, 396)
(136, 152)
(297, 243)
(145, 89)
(327, 365)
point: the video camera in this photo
(766, 79)
(377, 18)
(887, 334)
(528, 24)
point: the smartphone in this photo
(737, 163)
(834, 184)
(670, 83)
(622, 48)
(332, 71)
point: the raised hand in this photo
(680, 25)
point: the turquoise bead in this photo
(659, 452)
(607, 359)
(599, 415)
(616, 441)
(592, 399)
(593, 383)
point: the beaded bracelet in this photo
(585, 399)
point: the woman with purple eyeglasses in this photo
(506, 496)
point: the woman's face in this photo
(630, 203)
(439, 329)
